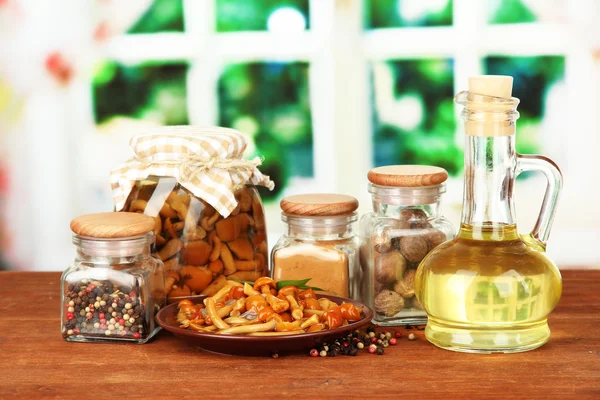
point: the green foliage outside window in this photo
(161, 16)
(149, 91)
(431, 142)
(270, 103)
(509, 12)
(388, 13)
(252, 15)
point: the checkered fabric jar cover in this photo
(207, 161)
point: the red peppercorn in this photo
(314, 353)
(122, 322)
(345, 344)
(76, 331)
(137, 335)
(372, 348)
(398, 334)
(392, 341)
(101, 315)
(374, 339)
(103, 326)
(70, 316)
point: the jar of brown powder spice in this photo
(319, 244)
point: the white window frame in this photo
(339, 51)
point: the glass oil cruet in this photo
(491, 289)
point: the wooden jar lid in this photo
(112, 225)
(407, 175)
(319, 204)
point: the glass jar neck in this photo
(390, 201)
(319, 227)
(108, 252)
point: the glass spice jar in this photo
(404, 226)
(114, 286)
(320, 243)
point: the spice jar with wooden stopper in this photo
(320, 243)
(404, 226)
(114, 286)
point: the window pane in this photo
(161, 16)
(533, 78)
(270, 103)
(403, 13)
(260, 15)
(148, 91)
(414, 114)
(511, 11)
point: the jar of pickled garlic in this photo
(404, 226)
(114, 286)
(201, 192)
(319, 244)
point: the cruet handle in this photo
(541, 229)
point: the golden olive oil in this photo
(488, 290)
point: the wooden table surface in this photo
(35, 362)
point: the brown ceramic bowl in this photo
(254, 345)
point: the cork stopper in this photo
(319, 204)
(407, 175)
(491, 85)
(112, 225)
(490, 109)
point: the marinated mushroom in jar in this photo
(198, 246)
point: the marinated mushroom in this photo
(253, 310)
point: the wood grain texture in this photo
(112, 225)
(407, 175)
(319, 204)
(37, 363)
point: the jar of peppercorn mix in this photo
(114, 286)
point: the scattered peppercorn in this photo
(374, 340)
(371, 334)
(411, 336)
(314, 353)
(323, 353)
(360, 345)
(398, 334)
(372, 348)
(392, 341)
(379, 351)
(388, 335)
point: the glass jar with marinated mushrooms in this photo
(114, 286)
(320, 243)
(209, 217)
(200, 247)
(404, 226)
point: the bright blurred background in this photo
(324, 89)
